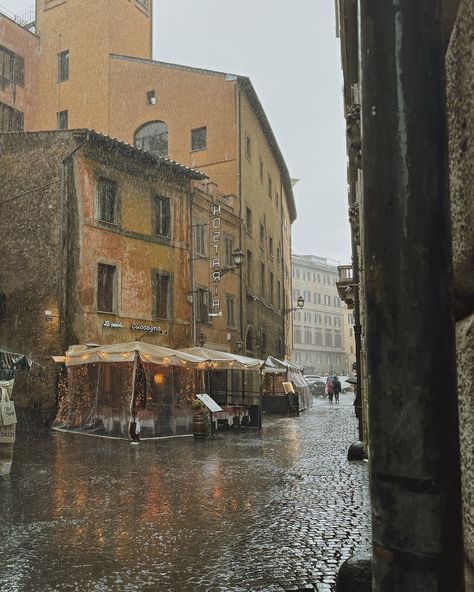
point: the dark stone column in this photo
(413, 423)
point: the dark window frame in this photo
(199, 138)
(63, 65)
(62, 120)
(230, 310)
(162, 216)
(107, 200)
(107, 295)
(202, 305)
(157, 276)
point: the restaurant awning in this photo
(12, 361)
(126, 352)
(219, 360)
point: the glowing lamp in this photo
(159, 378)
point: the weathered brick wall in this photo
(460, 93)
(30, 218)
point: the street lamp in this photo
(299, 306)
(237, 258)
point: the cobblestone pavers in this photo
(273, 511)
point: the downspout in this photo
(61, 302)
(191, 269)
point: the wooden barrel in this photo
(199, 426)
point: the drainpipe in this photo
(61, 296)
(413, 410)
(193, 280)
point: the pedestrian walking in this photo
(337, 387)
(329, 389)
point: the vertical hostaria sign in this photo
(216, 272)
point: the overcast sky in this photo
(290, 52)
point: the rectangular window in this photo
(270, 246)
(327, 300)
(260, 169)
(262, 280)
(106, 287)
(107, 200)
(307, 336)
(277, 199)
(11, 120)
(271, 288)
(249, 268)
(202, 305)
(297, 335)
(248, 147)
(269, 188)
(162, 216)
(230, 306)
(228, 248)
(262, 235)
(318, 337)
(248, 219)
(338, 339)
(19, 70)
(199, 138)
(162, 295)
(12, 66)
(278, 254)
(150, 97)
(329, 338)
(278, 294)
(63, 66)
(62, 120)
(201, 233)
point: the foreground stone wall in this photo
(460, 94)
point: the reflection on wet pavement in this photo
(275, 510)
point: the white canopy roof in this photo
(220, 360)
(126, 352)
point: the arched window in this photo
(249, 344)
(153, 137)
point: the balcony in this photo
(345, 286)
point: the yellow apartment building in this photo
(95, 70)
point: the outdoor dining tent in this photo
(106, 383)
(238, 388)
(276, 372)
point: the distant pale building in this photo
(323, 336)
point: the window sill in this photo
(198, 149)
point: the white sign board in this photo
(209, 403)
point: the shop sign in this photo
(112, 325)
(149, 329)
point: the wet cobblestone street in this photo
(249, 511)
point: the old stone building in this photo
(210, 120)
(321, 327)
(445, 56)
(95, 241)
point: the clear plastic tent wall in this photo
(100, 397)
